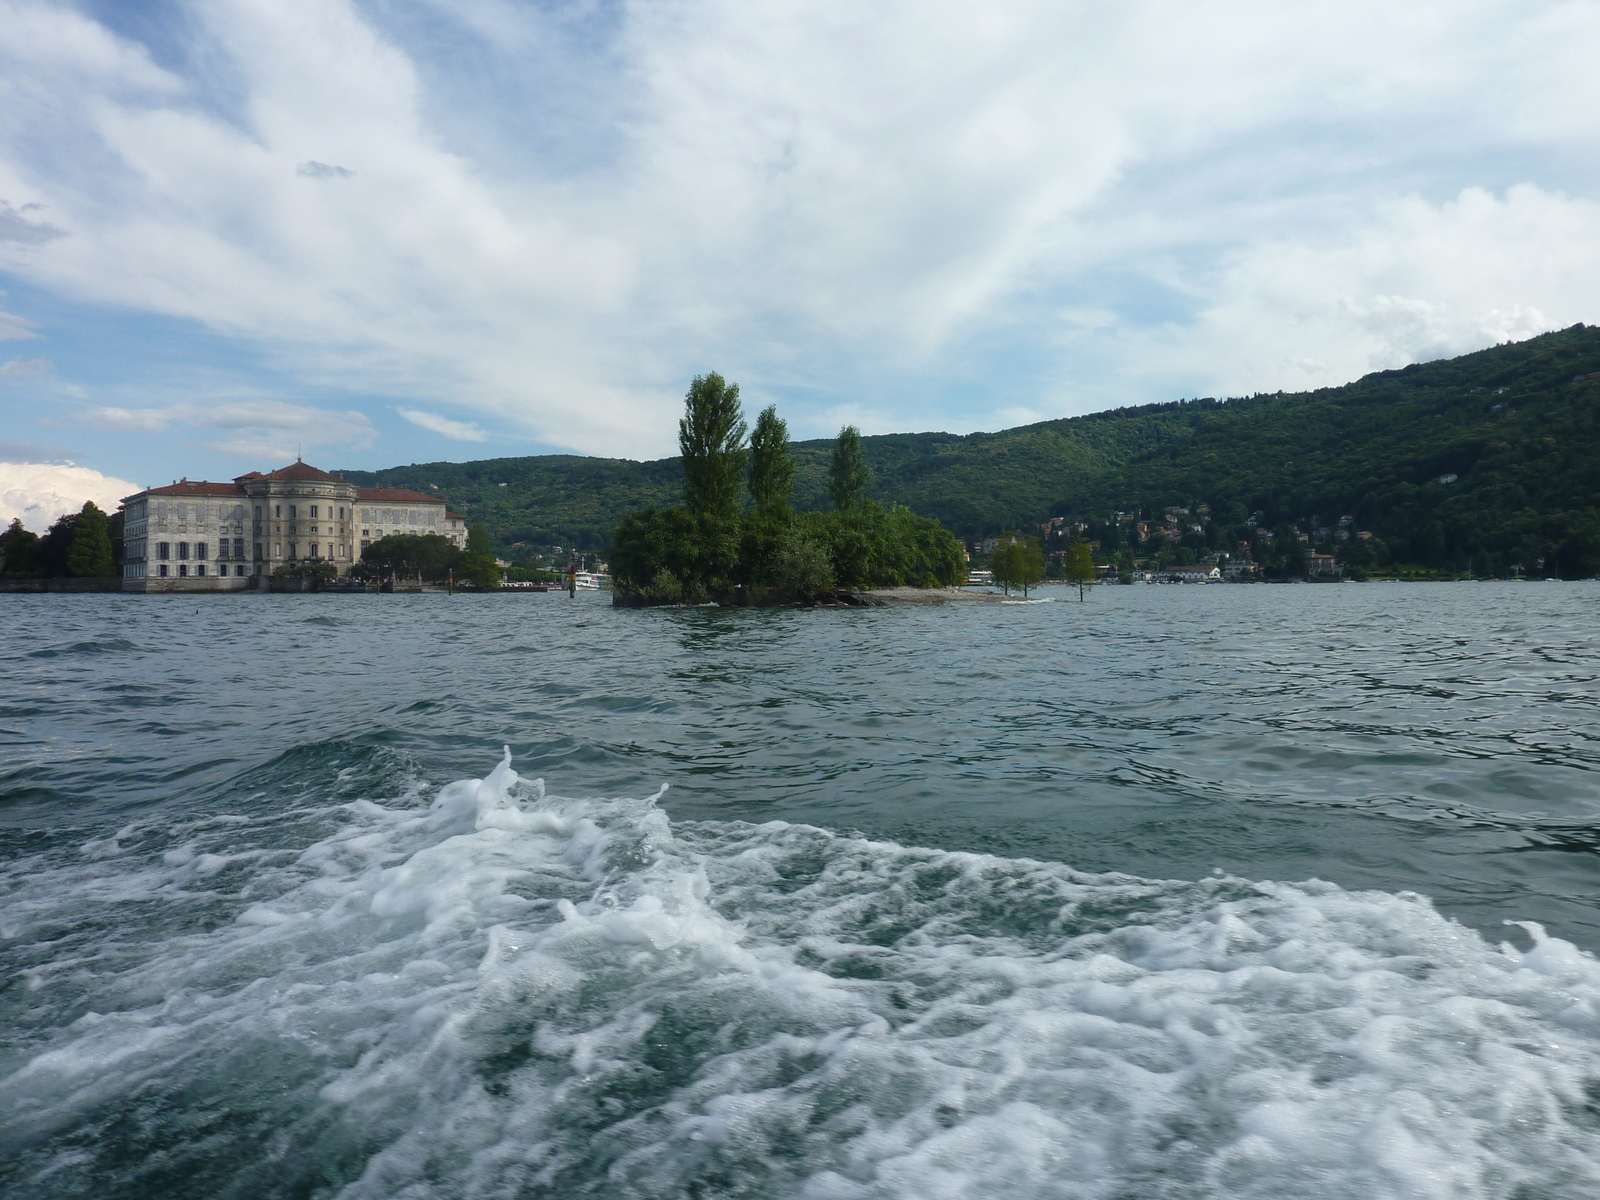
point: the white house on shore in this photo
(199, 536)
(1197, 573)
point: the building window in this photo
(277, 510)
(365, 544)
(162, 570)
(200, 549)
(277, 549)
(366, 533)
(163, 550)
(313, 549)
(183, 550)
(238, 548)
(313, 512)
(239, 570)
(183, 571)
(200, 569)
(291, 551)
(258, 512)
(291, 512)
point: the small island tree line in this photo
(736, 537)
(80, 545)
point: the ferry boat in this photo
(593, 580)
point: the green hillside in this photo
(1521, 435)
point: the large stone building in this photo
(220, 536)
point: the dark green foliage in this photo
(411, 555)
(90, 554)
(1080, 566)
(20, 555)
(697, 553)
(848, 475)
(711, 445)
(771, 466)
(78, 544)
(478, 565)
(659, 553)
(1018, 563)
(56, 545)
(802, 567)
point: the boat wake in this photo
(482, 990)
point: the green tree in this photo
(56, 545)
(1019, 563)
(90, 554)
(426, 556)
(803, 567)
(1080, 566)
(848, 476)
(711, 441)
(19, 552)
(771, 466)
(478, 565)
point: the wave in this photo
(482, 990)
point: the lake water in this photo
(1179, 892)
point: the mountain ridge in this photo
(1517, 426)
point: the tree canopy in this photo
(711, 444)
(90, 553)
(76, 544)
(1018, 563)
(848, 474)
(669, 555)
(1080, 565)
(771, 465)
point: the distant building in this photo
(219, 536)
(1324, 564)
(1198, 573)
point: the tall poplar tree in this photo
(90, 554)
(771, 465)
(848, 475)
(711, 440)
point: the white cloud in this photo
(14, 328)
(462, 431)
(256, 429)
(1102, 204)
(1421, 281)
(24, 368)
(38, 493)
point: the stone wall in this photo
(108, 583)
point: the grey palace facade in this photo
(199, 536)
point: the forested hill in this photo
(1512, 423)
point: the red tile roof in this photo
(198, 487)
(304, 471)
(398, 495)
(457, 516)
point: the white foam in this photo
(502, 993)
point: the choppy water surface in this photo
(1181, 892)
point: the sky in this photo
(375, 232)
